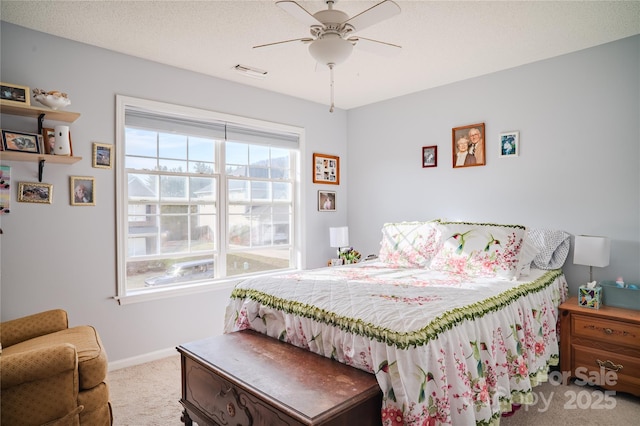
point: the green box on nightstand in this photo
(621, 297)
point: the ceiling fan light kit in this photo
(331, 30)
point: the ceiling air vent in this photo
(250, 71)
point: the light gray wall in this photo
(62, 256)
(578, 169)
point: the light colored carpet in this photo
(148, 395)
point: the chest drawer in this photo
(607, 369)
(604, 330)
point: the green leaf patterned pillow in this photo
(409, 244)
(480, 249)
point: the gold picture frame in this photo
(14, 94)
(467, 145)
(34, 192)
(102, 155)
(83, 190)
(326, 169)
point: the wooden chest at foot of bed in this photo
(246, 378)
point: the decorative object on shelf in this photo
(326, 201)
(5, 189)
(102, 155)
(592, 251)
(14, 94)
(430, 156)
(509, 144)
(22, 142)
(32, 192)
(82, 191)
(52, 99)
(326, 169)
(467, 145)
(62, 140)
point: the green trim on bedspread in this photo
(402, 340)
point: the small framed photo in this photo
(22, 142)
(82, 191)
(326, 169)
(49, 140)
(430, 156)
(326, 201)
(5, 189)
(14, 94)
(509, 144)
(102, 155)
(467, 145)
(31, 192)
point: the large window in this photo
(202, 197)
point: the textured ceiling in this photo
(442, 41)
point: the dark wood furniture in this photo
(246, 378)
(596, 343)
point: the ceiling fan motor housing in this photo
(330, 46)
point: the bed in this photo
(457, 320)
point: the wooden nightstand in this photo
(596, 342)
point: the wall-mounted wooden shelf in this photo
(26, 156)
(8, 107)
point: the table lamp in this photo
(591, 250)
(339, 237)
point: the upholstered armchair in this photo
(51, 374)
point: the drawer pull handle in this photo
(608, 331)
(609, 365)
(231, 409)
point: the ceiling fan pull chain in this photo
(331, 85)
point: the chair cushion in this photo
(92, 358)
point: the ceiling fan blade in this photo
(373, 15)
(375, 46)
(304, 40)
(298, 12)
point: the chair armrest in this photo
(40, 386)
(37, 364)
(25, 328)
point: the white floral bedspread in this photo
(445, 349)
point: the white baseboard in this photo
(141, 359)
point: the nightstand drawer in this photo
(626, 368)
(604, 330)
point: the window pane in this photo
(141, 163)
(172, 166)
(141, 142)
(260, 191)
(202, 189)
(237, 153)
(254, 261)
(172, 146)
(203, 232)
(202, 167)
(238, 190)
(142, 187)
(174, 228)
(173, 188)
(202, 149)
(282, 191)
(239, 230)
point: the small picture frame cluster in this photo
(21, 142)
(326, 169)
(430, 156)
(102, 155)
(467, 144)
(33, 192)
(509, 144)
(13, 94)
(326, 201)
(82, 191)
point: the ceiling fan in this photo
(332, 32)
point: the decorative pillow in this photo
(528, 252)
(553, 247)
(409, 244)
(479, 249)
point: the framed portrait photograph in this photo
(326, 169)
(5, 189)
(32, 192)
(82, 191)
(102, 155)
(49, 140)
(14, 94)
(430, 156)
(326, 201)
(467, 145)
(509, 144)
(22, 142)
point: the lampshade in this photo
(591, 250)
(339, 237)
(330, 49)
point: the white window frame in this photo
(124, 296)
